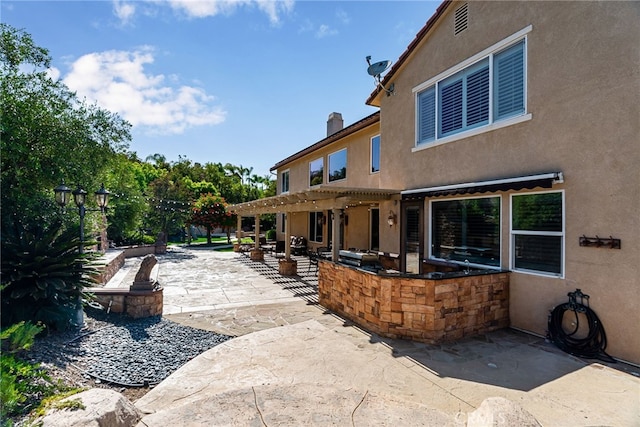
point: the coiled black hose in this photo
(592, 346)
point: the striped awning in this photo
(545, 180)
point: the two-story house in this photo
(510, 141)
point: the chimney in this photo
(334, 123)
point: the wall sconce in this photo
(391, 219)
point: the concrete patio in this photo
(294, 363)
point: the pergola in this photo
(319, 198)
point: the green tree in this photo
(170, 203)
(127, 204)
(47, 134)
(210, 211)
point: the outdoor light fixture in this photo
(63, 193)
(391, 219)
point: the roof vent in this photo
(461, 19)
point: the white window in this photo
(480, 93)
(466, 231)
(537, 233)
(375, 154)
(316, 172)
(284, 188)
(338, 165)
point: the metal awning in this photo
(315, 199)
(545, 180)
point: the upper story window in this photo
(284, 183)
(375, 154)
(537, 233)
(338, 165)
(316, 172)
(481, 92)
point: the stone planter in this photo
(256, 255)
(134, 303)
(288, 267)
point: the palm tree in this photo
(158, 160)
(233, 171)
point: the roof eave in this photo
(349, 130)
(374, 98)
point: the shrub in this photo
(23, 385)
(19, 379)
(43, 275)
(270, 234)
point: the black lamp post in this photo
(79, 198)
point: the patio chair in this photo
(313, 260)
(299, 245)
(322, 251)
(280, 248)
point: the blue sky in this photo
(245, 82)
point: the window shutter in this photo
(427, 105)
(509, 81)
(450, 106)
(478, 97)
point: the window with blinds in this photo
(464, 100)
(490, 90)
(466, 230)
(509, 82)
(537, 233)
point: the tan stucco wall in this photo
(358, 147)
(299, 224)
(583, 81)
(356, 232)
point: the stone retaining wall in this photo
(142, 250)
(114, 262)
(419, 309)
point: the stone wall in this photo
(113, 262)
(142, 250)
(416, 308)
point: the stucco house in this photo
(509, 142)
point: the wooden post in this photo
(335, 236)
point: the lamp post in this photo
(63, 193)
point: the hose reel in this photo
(591, 345)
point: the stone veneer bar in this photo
(416, 307)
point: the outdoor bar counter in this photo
(433, 307)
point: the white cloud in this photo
(325, 31)
(343, 16)
(117, 81)
(53, 73)
(274, 9)
(124, 11)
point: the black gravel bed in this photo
(119, 350)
